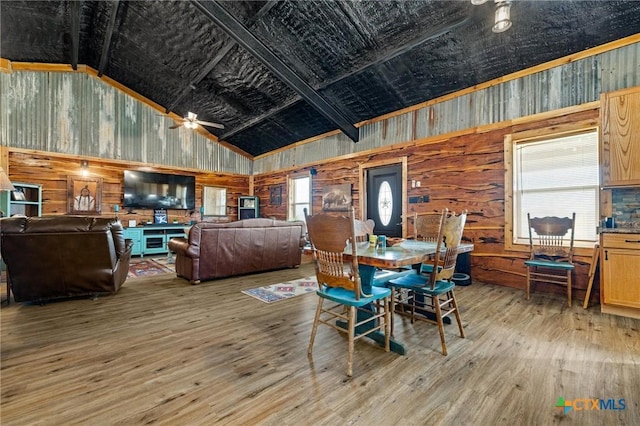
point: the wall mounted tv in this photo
(147, 190)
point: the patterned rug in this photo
(285, 290)
(146, 267)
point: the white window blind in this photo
(556, 177)
(299, 197)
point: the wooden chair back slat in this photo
(329, 236)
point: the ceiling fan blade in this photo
(209, 124)
(176, 126)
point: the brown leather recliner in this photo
(215, 250)
(53, 257)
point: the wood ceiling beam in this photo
(104, 57)
(219, 56)
(219, 15)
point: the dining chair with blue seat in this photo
(551, 252)
(340, 294)
(434, 293)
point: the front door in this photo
(384, 199)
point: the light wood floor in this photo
(166, 352)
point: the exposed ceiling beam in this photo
(219, 15)
(104, 57)
(220, 55)
(76, 8)
(434, 33)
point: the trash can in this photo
(461, 279)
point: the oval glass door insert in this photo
(385, 203)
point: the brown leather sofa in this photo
(215, 250)
(54, 257)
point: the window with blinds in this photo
(556, 177)
(299, 197)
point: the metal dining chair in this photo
(550, 252)
(340, 295)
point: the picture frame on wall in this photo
(336, 197)
(275, 195)
(84, 195)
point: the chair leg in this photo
(314, 329)
(436, 304)
(454, 302)
(352, 332)
(388, 318)
(528, 283)
(569, 287)
(393, 307)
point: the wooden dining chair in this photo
(340, 286)
(550, 252)
(432, 296)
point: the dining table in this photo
(390, 262)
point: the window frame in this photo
(510, 141)
(291, 193)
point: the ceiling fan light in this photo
(502, 17)
(190, 124)
(478, 2)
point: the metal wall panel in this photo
(571, 84)
(77, 114)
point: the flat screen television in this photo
(148, 190)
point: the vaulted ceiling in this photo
(277, 72)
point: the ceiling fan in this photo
(191, 122)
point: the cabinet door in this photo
(621, 277)
(620, 138)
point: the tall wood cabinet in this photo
(620, 275)
(620, 138)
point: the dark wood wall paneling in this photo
(51, 172)
(464, 172)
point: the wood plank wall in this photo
(462, 172)
(51, 171)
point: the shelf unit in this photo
(248, 207)
(11, 202)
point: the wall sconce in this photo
(84, 167)
(502, 17)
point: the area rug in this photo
(146, 267)
(285, 290)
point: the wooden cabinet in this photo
(620, 274)
(134, 234)
(153, 239)
(620, 138)
(25, 200)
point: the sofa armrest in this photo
(122, 264)
(180, 245)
